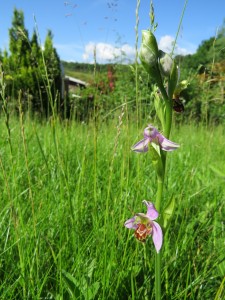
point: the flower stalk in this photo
(164, 72)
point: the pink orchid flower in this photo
(144, 225)
(153, 136)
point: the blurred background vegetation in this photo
(36, 75)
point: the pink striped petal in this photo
(152, 213)
(157, 236)
(141, 146)
(130, 223)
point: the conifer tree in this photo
(19, 40)
(31, 70)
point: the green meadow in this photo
(66, 190)
(69, 180)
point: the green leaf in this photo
(168, 212)
(221, 268)
(172, 82)
(81, 289)
(72, 285)
(92, 290)
(217, 172)
(160, 106)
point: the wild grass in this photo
(66, 190)
(68, 187)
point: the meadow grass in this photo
(68, 187)
(66, 190)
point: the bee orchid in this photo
(144, 226)
(153, 136)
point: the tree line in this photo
(204, 98)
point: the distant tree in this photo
(35, 51)
(16, 64)
(209, 51)
(51, 57)
(1, 56)
(19, 41)
(204, 97)
(31, 70)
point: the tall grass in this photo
(66, 190)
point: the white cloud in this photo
(107, 52)
(166, 44)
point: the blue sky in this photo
(79, 26)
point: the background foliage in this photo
(35, 74)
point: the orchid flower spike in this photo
(153, 136)
(144, 225)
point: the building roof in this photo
(75, 81)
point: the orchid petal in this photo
(141, 146)
(152, 213)
(166, 144)
(130, 223)
(157, 236)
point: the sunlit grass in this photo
(66, 190)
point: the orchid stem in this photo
(160, 184)
(158, 276)
(158, 255)
(159, 193)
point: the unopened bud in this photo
(165, 63)
(149, 50)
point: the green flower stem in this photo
(160, 183)
(158, 276)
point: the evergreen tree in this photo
(1, 56)
(35, 51)
(31, 70)
(19, 41)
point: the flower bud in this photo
(165, 63)
(149, 50)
